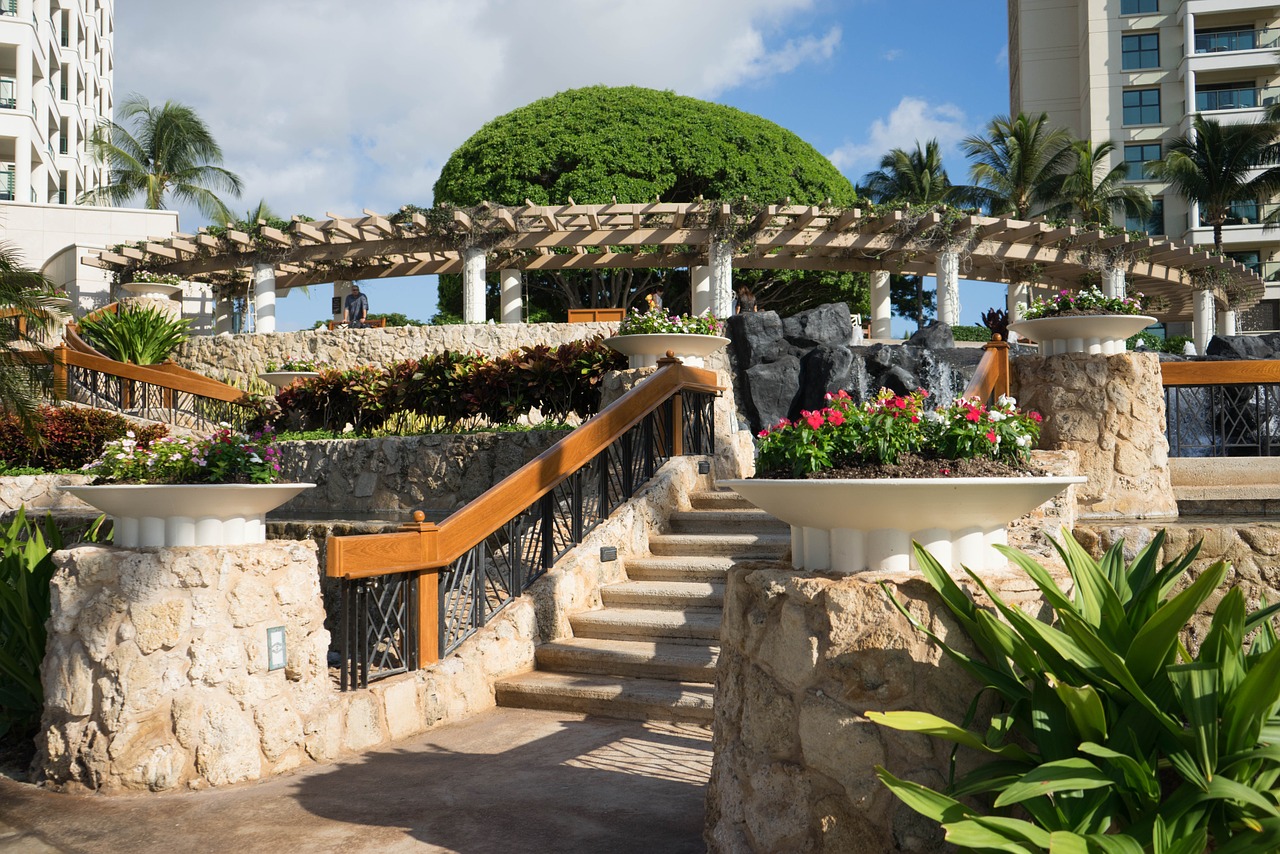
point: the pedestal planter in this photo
(155, 290)
(644, 351)
(848, 526)
(209, 514)
(1096, 334)
(280, 379)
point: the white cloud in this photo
(913, 120)
(891, 54)
(337, 106)
(1002, 58)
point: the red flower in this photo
(1034, 416)
(915, 419)
(813, 419)
(991, 436)
(973, 415)
(834, 417)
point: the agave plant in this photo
(1113, 737)
(138, 335)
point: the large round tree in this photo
(640, 145)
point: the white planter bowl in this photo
(848, 526)
(206, 514)
(644, 351)
(1096, 334)
(151, 289)
(281, 379)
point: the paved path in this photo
(507, 781)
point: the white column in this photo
(881, 305)
(1113, 282)
(1016, 299)
(1227, 322)
(512, 301)
(720, 256)
(341, 290)
(221, 315)
(264, 298)
(473, 285)
(949, 287)
(699, 289)
(1202, 319)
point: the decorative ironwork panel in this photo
(1223, 420)
(699, 422)
(153, 402)
(379, 628)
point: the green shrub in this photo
(1113, 738)
(67, 437)
(971, 333)
(140, 336)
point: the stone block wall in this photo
(40, 493)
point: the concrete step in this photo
(608, 696)
(678, 662)
(719, 499)
(726, 522)
(689, 625)
(678, 568)
(740, 546)
(664, 594)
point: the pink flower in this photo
(813, 419)
(834, 417)
(991, 436)
(1035, 416)
(973, 415)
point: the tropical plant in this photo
(26, 304)
(292, 365)
(915, 177)
(657, 321)
(66, 437)
(1215, 166)
(169, 151)
(1016, 166)
(1112, 737)
(140, 335)
(1090, 191)
(226, 456)
(1084, 301)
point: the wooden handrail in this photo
(168, 375)
(1243, 372)
(991, 379)
(425, 546)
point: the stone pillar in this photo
(473, 285)
(1113, 282)
(881, 306)
(1110, 411)
(341, 290)
(264, 298)
(1202, 319)
(699, 289)
(948, 277)
(512, 295)
(720, 258)
(1227, 321)
(222, 315)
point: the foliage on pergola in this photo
(677, 234)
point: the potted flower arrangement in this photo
(858, 483)
(183, 491)
(157, 285)
(289, 372)
(646, 336)
(1086, 321)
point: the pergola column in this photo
(948, 276)
(473, 285)
(1227, 322)
(264, 298)
(1202, 319)
(699, 289)
(1113, 282)
(720, 256)
(223, 315)
(512, 302)
(881, 305)
(341, 290)
(1016, 299)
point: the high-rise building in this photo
(1136, 72)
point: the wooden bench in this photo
(596, 315)
(376, 323)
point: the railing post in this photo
(428, 586)
(60, 372)
(1000, 386)
(677, 410)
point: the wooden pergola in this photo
(691, 234)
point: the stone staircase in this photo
(650, 652)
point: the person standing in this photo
(355, 311)
(746, 300)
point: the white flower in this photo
(130, 434)
(1024, 441)
(254, 458)
(175, 457)
(1006, 400)
(933, 416)
(996, 416)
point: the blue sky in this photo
(328, 106)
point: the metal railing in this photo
(1222, 409)
(480, 559)
(1243, 39)
(1243, 98)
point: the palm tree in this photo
(24, 303)
(169, 151)
(915, 177)
(1214, 167)
(1016, 165)
(1091, 196)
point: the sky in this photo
(334, 107)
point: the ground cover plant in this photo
(1083, 302)
(658, 321)
(1111, 737)
(226, 456)
(66, 438)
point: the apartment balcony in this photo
(1269, 271)
(1232, 50)
(1243, 228)
(8, 181)
(9, 7)
(1236, 98)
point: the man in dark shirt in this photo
(355, 311)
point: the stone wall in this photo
(40, 492)
(240, 358)
(1110, 411)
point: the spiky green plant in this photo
(138, 335)
(1113, 737)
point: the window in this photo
(1139, 7)
(1153, 224)
(1142, 107)
(1136, 157)
(1141, 50)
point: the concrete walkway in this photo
(505, 781)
